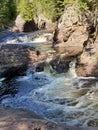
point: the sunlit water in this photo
(57, 97)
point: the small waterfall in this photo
(48, 68)
(72, 72)
(28, 75)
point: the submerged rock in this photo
(15, 59)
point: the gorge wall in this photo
(76, 35)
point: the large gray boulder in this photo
(15, 59)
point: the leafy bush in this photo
(29, 9)
(52, 9)
(26, 9)
(7, 12)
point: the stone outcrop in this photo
(44, 23)
(87, 62)
(70, 32)
(39, 22)
(15, 59)
(75, 35)
(23, 26)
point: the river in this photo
(57, 97)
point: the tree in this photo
(7, 12)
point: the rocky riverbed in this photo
(50, 72)
(48, 95)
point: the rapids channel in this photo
(57, 97)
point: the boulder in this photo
(87, 62)
(23, 25)
(44, 23)
(15, 59)
(70, 32)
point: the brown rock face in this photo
(39, 22)
(44, 23)
(23, 26)
(71, 32)
(15, 59)
(87, 64)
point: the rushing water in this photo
(57, 97)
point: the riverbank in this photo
(21, 119)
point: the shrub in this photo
(7, 12)
(52, 9)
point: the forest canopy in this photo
(52, 9)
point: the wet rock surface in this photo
(7, 87)
(15, 59)
(60, 63)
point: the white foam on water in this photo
(2, 79)
(56, 97)
(40, 39)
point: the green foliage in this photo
(51, 9)
(85, 5)
(26, 9)
(29, 9)
(7, 12)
